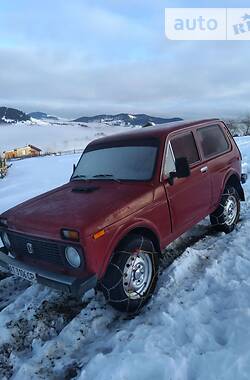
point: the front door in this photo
(189, 198)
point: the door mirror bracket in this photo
(182, 170)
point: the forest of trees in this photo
(239, 127)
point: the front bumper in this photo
(70, 284)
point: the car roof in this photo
(156, 131)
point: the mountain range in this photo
(126, 119)
(12, 115)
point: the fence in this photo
(60, 153)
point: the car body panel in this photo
(85, 212)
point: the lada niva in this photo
(129, 196)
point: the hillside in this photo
(126, 119)
(12, 115)
(42, 116)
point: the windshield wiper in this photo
(80, 176)
(107, 176)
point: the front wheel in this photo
(132, 274)
(226, 216)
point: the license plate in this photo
(22, 273)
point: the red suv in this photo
(130, 195)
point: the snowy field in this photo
(196, 327)
(52, 137)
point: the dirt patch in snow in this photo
(36, 325)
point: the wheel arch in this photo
(234, 180)
(145, 231)
(137, 229)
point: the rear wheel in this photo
(132, 274)
(226, 216)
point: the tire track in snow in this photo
(60, 358)
(10, 288)
(188, 239)
(37, 315)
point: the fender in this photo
(236, 180)
(121, 232)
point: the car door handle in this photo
(204, 169)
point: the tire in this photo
(132, 274)
(226, 216)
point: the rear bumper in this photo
(72, 285)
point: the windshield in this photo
(117, 163)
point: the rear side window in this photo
(213, 140)
(185, 146)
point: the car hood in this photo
(88, 207)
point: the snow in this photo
(244, 143)
(30, 177)
(196, 327)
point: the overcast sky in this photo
(83, 57)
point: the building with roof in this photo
(26, 151)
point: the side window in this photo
(185, 146)
(170, 161)
(213, 140)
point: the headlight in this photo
(73, 257)
(6, 240)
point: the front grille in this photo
(43, 250)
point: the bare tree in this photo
(232, 126)
(246, 121)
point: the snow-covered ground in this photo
(30, 177)
(196, 327)
(52, 136)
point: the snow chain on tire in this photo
(218, 217)
(112, 283)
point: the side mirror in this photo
(182, 170)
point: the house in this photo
(27, 151)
